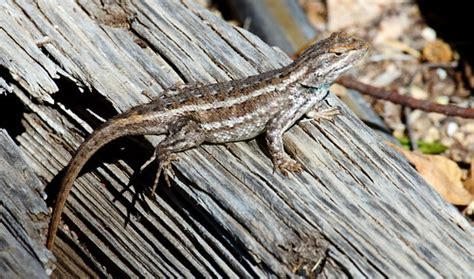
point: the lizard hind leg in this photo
(183, 135)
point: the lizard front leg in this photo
(281, 160)
(274, 137)
(183, 135)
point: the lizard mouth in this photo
(346, 66)
(340, 70)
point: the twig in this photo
(395, 97)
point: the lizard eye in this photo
(338, 50)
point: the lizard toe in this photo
(287, 165)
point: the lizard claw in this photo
(286, 165)
(165, 168)
(326, 114)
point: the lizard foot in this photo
(286, 165)
(166, 169)
(326, 114)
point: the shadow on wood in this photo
(357, 210)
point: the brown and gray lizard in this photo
(236, 110)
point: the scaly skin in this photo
(236, 110)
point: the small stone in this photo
(418, 93)
(442, 74)
(447, 141)
(417, 114)
(428, 34)
(442, 100)
(468, 128)
(459, 136)
(469, 142)
(452, 128)
(432, 135)
(390, 74)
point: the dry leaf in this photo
(442, 173)
(347, 13)
(437, 52)
(469, 182)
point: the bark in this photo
(24, 216)
(358, 209)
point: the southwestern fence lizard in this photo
(235, 110)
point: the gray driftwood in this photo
(358, 210)
(23, 217)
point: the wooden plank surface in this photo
(23, 217)
(357, 210)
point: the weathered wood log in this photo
(278, 22)
(358, 209)
(23, 217)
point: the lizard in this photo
(236, 110)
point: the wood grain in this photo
(358, 210)
(23, 217)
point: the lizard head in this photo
(325, 61)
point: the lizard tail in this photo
(110, 130)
